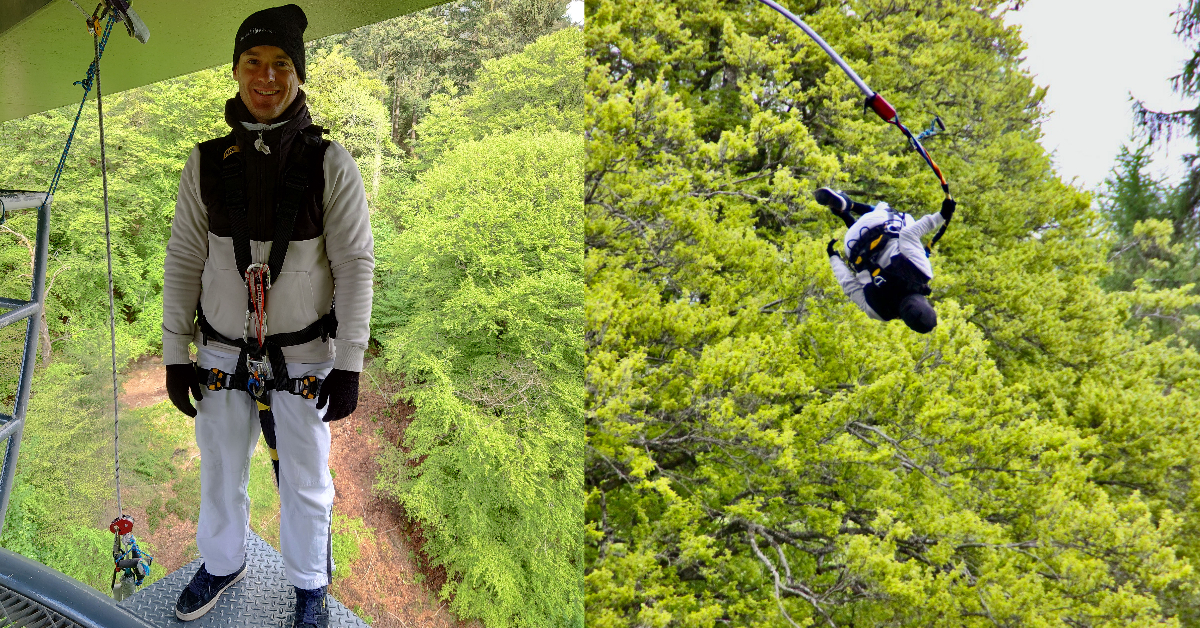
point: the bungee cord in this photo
(875, 102)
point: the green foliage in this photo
(539, 89)
(1161, 125)
(348, 534)
(62, 482)
(346, 100)
(479, 305)
(416, 54)
(79, 551)
(1155, 256)
(759, 452)
(481, 299)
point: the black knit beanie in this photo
(282, 27)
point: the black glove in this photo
(829, 249)
(948, 206)
(181, 378)
(340, 389)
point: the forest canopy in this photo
(479, 291)
(762, 453)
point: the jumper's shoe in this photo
(311, 611)
(202, 592)
(835, 201)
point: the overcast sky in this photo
(1093, 54)
(575, 11)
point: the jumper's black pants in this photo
(855, 208)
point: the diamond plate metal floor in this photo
(263, 598)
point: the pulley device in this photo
(128, 559)
(123, 13)
(876, 103)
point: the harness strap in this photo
(871, 241)
(323, 328)
(295, 182)
(270, 373)
(308, 386)
(233, 177)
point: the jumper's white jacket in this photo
(200, 266)
(907, 243)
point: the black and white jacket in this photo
(331, 249)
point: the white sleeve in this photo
(853, 285)
(187, 250)
(350, 247)
(926, 225)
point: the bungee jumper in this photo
(889, 271)
(271, 222)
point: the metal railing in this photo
(15, 310)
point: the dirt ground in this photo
(392, 581)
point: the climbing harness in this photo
(865, 247)
(876, 103)
(127, 556)
(261, 368)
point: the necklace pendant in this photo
(262, 147)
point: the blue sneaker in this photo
(835, 201)
(202, 592)
(311, 611)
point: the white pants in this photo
(227, 431)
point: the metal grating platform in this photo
(264, 598)
(18, 610)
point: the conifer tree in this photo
(759, 452)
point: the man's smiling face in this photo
(267, 81)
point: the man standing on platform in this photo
(271, 221)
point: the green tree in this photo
(418, 53)
(481, 308)
(538, 89)
(1158, 125)
(761, 453)
(479, 304)
(1154, 252)
(348, 101)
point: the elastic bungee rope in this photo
(874, 102)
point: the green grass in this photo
(349, 533)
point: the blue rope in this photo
(932, 130)
(144, 561)
(86, 83)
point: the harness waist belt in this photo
(276, 378)
(214, 378)
(323, 328)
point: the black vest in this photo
(263, 187)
